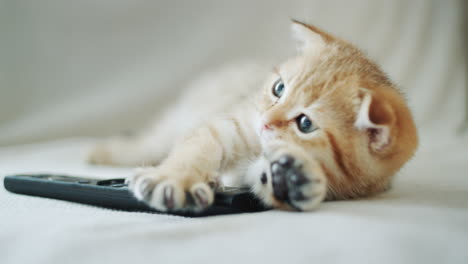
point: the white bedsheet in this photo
(423, 219)
(89, 68)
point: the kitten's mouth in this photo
(267, 135)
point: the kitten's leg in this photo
(212, 94)
(186, 178)
(148, 148)
(288, 178)
(129, 151)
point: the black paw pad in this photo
(287, 177)
(264, 178)
(169, 197)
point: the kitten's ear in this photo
(376, 118)
(308, 36)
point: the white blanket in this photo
(88, 68)
(423, 219)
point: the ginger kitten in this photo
(326, 124)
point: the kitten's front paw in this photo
(294, 185)
(155, 187)
(291, 180)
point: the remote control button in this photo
(111, 182)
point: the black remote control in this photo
(114, 193)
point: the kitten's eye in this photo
(305, 125)
(278, 88)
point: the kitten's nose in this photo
(274, 124)
(274, 118)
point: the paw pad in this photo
(288, 178)
(168, 194)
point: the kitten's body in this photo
(231, 122)
(214, 95)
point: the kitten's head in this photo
(340, 107)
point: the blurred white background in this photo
(94, 68)
(91, 68)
